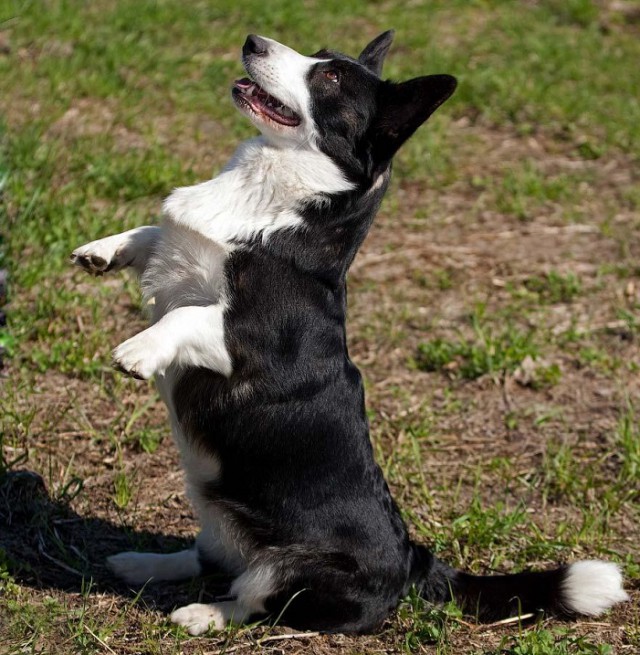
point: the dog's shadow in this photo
(44, 544)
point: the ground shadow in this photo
(46, 545)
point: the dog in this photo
(247, 342)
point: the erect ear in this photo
(373, 55)
(402, 108)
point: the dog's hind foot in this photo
(197, 618)
(139, 568)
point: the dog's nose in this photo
(255, 45)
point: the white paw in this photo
(143, 356)
(197, 618)
(100, 256)
(133, 568)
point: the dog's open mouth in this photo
(247, 93)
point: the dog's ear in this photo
(402, 108)
(373, 55)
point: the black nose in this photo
(255, 45)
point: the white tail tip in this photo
(590, 587)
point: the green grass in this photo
(628, 446)
(426, 625)
(491, 350)
(553, 287)
(541, 641)
(527, 191)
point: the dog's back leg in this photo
(250, 589)
(208, 554)
(306, 591)
(140, 568)
(197, 618)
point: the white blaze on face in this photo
(283, 73)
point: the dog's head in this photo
(334, 103)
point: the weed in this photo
(627, 441)
(146, 437)
(541, 641)
(630, 319)
(489, 353)
(426, 624)
(598, 358)
(149, 439)
(562, 475)
(444, 279)
(123, 489)
(546, 376)
(527, 189)
(483, 527)
(553, 287)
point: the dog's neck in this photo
(258, 193)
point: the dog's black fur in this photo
(298, 476)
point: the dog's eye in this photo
(332, 76)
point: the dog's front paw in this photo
(99, 256)
(143, 356)
(197, 618)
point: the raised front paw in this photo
(143, 356)
(100, 256)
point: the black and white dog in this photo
(246, 279)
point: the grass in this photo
(548, 642)
(628, 446)
(488, 352)
(494, 308)
(527, 191)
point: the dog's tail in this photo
(586, 587)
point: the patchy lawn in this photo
(495, 306)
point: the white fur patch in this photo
(186, 269)
(138, 568)
(187, 336)
(253, 587)
(590, 587)
(198, 617)
(257, 193)
(283, 73)
(219, 539)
